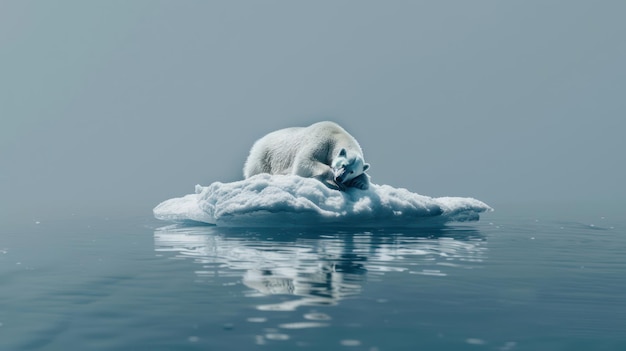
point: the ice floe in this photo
(291, 201)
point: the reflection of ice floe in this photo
(319, 268)
(286, 200)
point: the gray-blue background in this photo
(113, 106)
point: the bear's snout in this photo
(339, 175)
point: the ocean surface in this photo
(522, 278)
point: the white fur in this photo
(323, 150)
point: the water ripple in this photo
(317, 268)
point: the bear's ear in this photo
(366, 167)
(342, 153)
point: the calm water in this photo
(516, 280)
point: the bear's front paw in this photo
(334, 185)
(360, 183)
(340, 186)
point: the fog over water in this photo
(112, 107)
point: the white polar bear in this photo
(323, 150)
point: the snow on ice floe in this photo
(291, 201)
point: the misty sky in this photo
(110, 107)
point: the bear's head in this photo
(347, 166)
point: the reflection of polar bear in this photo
(323, 150)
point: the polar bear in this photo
(324, 151)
